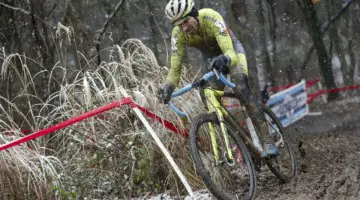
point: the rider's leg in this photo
(244, 95)
(255, 112)
(239, 76)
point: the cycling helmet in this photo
(177, 9)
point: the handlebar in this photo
(195, 84)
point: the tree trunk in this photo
(124, 25)
(336, 40)
(263, 44)
(71, 18)
(324, 59)
(153, 27)
(238, 20)
(273, 28)
(290, 73)
(350, 32)
(44, 46)
(9, 39)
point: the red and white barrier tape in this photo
(309, 84)
(128, 101)
(312, 96)
(97, 111)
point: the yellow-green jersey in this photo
(212, 38)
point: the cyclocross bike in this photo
(226, 154)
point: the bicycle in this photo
(226, 164)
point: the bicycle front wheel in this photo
(283, 166)
(224, 178)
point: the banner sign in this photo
(357, 73)
(290, 105)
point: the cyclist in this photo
(205, 30)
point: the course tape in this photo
(164, 122)
(309, 84)
(312, 96)
(125, 101)
(130, 102)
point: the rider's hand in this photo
(221, 63)
(164, 92)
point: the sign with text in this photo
(290, 105)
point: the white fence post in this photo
(161, 146)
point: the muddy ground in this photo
(328, 153)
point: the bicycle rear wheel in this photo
(283, 166)
(225, 180)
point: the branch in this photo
(52, 10)
(15, 8)
(336, 17)
(325, 28)
(101, 31)
(26, 13)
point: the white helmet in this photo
(177, 9)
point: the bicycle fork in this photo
(214, 105)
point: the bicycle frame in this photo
(212, 101)
(213, 105)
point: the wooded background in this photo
(277, 35)
(55, 40)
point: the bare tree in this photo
(350, 21)
(153, 29)
(270, 72)
(102, 30)
(336, 42)
(238, 23)
(273, 27)
(325, 28)
(324, 59)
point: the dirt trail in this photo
(328, 152)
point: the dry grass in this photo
(105, 156)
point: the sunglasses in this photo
(182, 20)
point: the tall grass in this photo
(104, 156)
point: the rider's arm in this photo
(216, 24)
(178, 52)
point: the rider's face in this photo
(188, 25)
